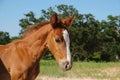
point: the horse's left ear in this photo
(54, 19)
(68, 21)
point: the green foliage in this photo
(47, 55)
(4, 37)
(14, 38)
(90, 39)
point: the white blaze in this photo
(67, 41)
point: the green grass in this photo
(93, 70)
(51, 68)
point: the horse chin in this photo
(65, 65)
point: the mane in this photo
(32, 28)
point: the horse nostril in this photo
(67, 66)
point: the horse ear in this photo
(54, 19)
(68, 21)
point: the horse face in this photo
(59, 43)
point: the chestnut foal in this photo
(21, 57)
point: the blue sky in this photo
(11, 11)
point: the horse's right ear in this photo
(54, 19)
(68, 21)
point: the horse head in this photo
(58, 41)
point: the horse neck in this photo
(37, 40)
(2, 47)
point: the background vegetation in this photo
(91, 39)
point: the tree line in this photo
(91, 39)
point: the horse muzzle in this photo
(65, 65)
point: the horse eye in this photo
(57, 40)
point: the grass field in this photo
(49, 70)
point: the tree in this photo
(30, 19)
(110, 36)
(4, 37)
(90, 39)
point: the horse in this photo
(21, 57)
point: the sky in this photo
(11, 11)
